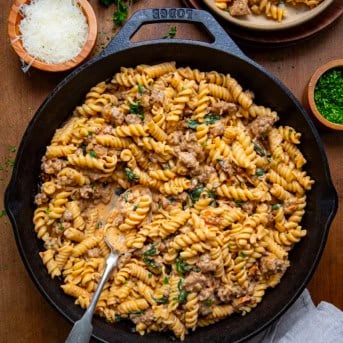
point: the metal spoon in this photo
(82, 329)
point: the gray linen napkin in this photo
(305, 323)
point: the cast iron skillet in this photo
(221, 55)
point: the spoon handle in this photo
(82, 329)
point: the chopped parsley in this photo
(259, 172)
(239, 202)
(181, 266)
(195, 194)
(140, 89)
(242, 254)
(149, 275)
(259, 150)
(60, 227)
(120, 14)
(151, 251)
(211, 118)
(9, 163)
(276, 206)
(152, 264)
(182, 297)
(90, 133)
(92, 153)
(172, 199)
(135, 206)
(196, 269)
(166, 280)
(171, 34)
(193, 124)
(229, 246)
(328, 95)
(99, 224)
(12, 149)
(179, 285)
(47, 210)
(163, 300)
(137, 108)
(3, 213)
(130, 174)
(136, 312)
(208, 302)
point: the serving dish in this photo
(318, 117)
(14, 19)
(295, 16)
(279, 38)
(221, 55)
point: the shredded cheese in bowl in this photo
(53, 31)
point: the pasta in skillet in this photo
(199, 189)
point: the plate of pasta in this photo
(267, 14)
(217, 195)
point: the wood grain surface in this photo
(24, 315)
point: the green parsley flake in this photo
(211, 118)
(12, 149)
(130, 174)
(140, 89)
(193, 124)
(163, 300)
(259, 150)
(171, 34)
(276, 206)
(151, 251)
(92, 153)
(3, 213)
(195, 194)
(259, 172)
(120, 15)
(137, 108)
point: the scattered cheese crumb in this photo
(53, 31)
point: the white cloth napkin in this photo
(305, 323)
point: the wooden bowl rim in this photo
(310, 93)
(53, 67)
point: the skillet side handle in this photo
(222, 40)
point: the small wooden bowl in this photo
(13, 32)
(324, 123)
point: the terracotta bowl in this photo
(323, 123)
(13, 32)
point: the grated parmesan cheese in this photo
(53, 31)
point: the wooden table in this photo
(25, 315)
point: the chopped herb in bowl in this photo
(328, 95)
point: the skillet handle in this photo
(222, 40)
